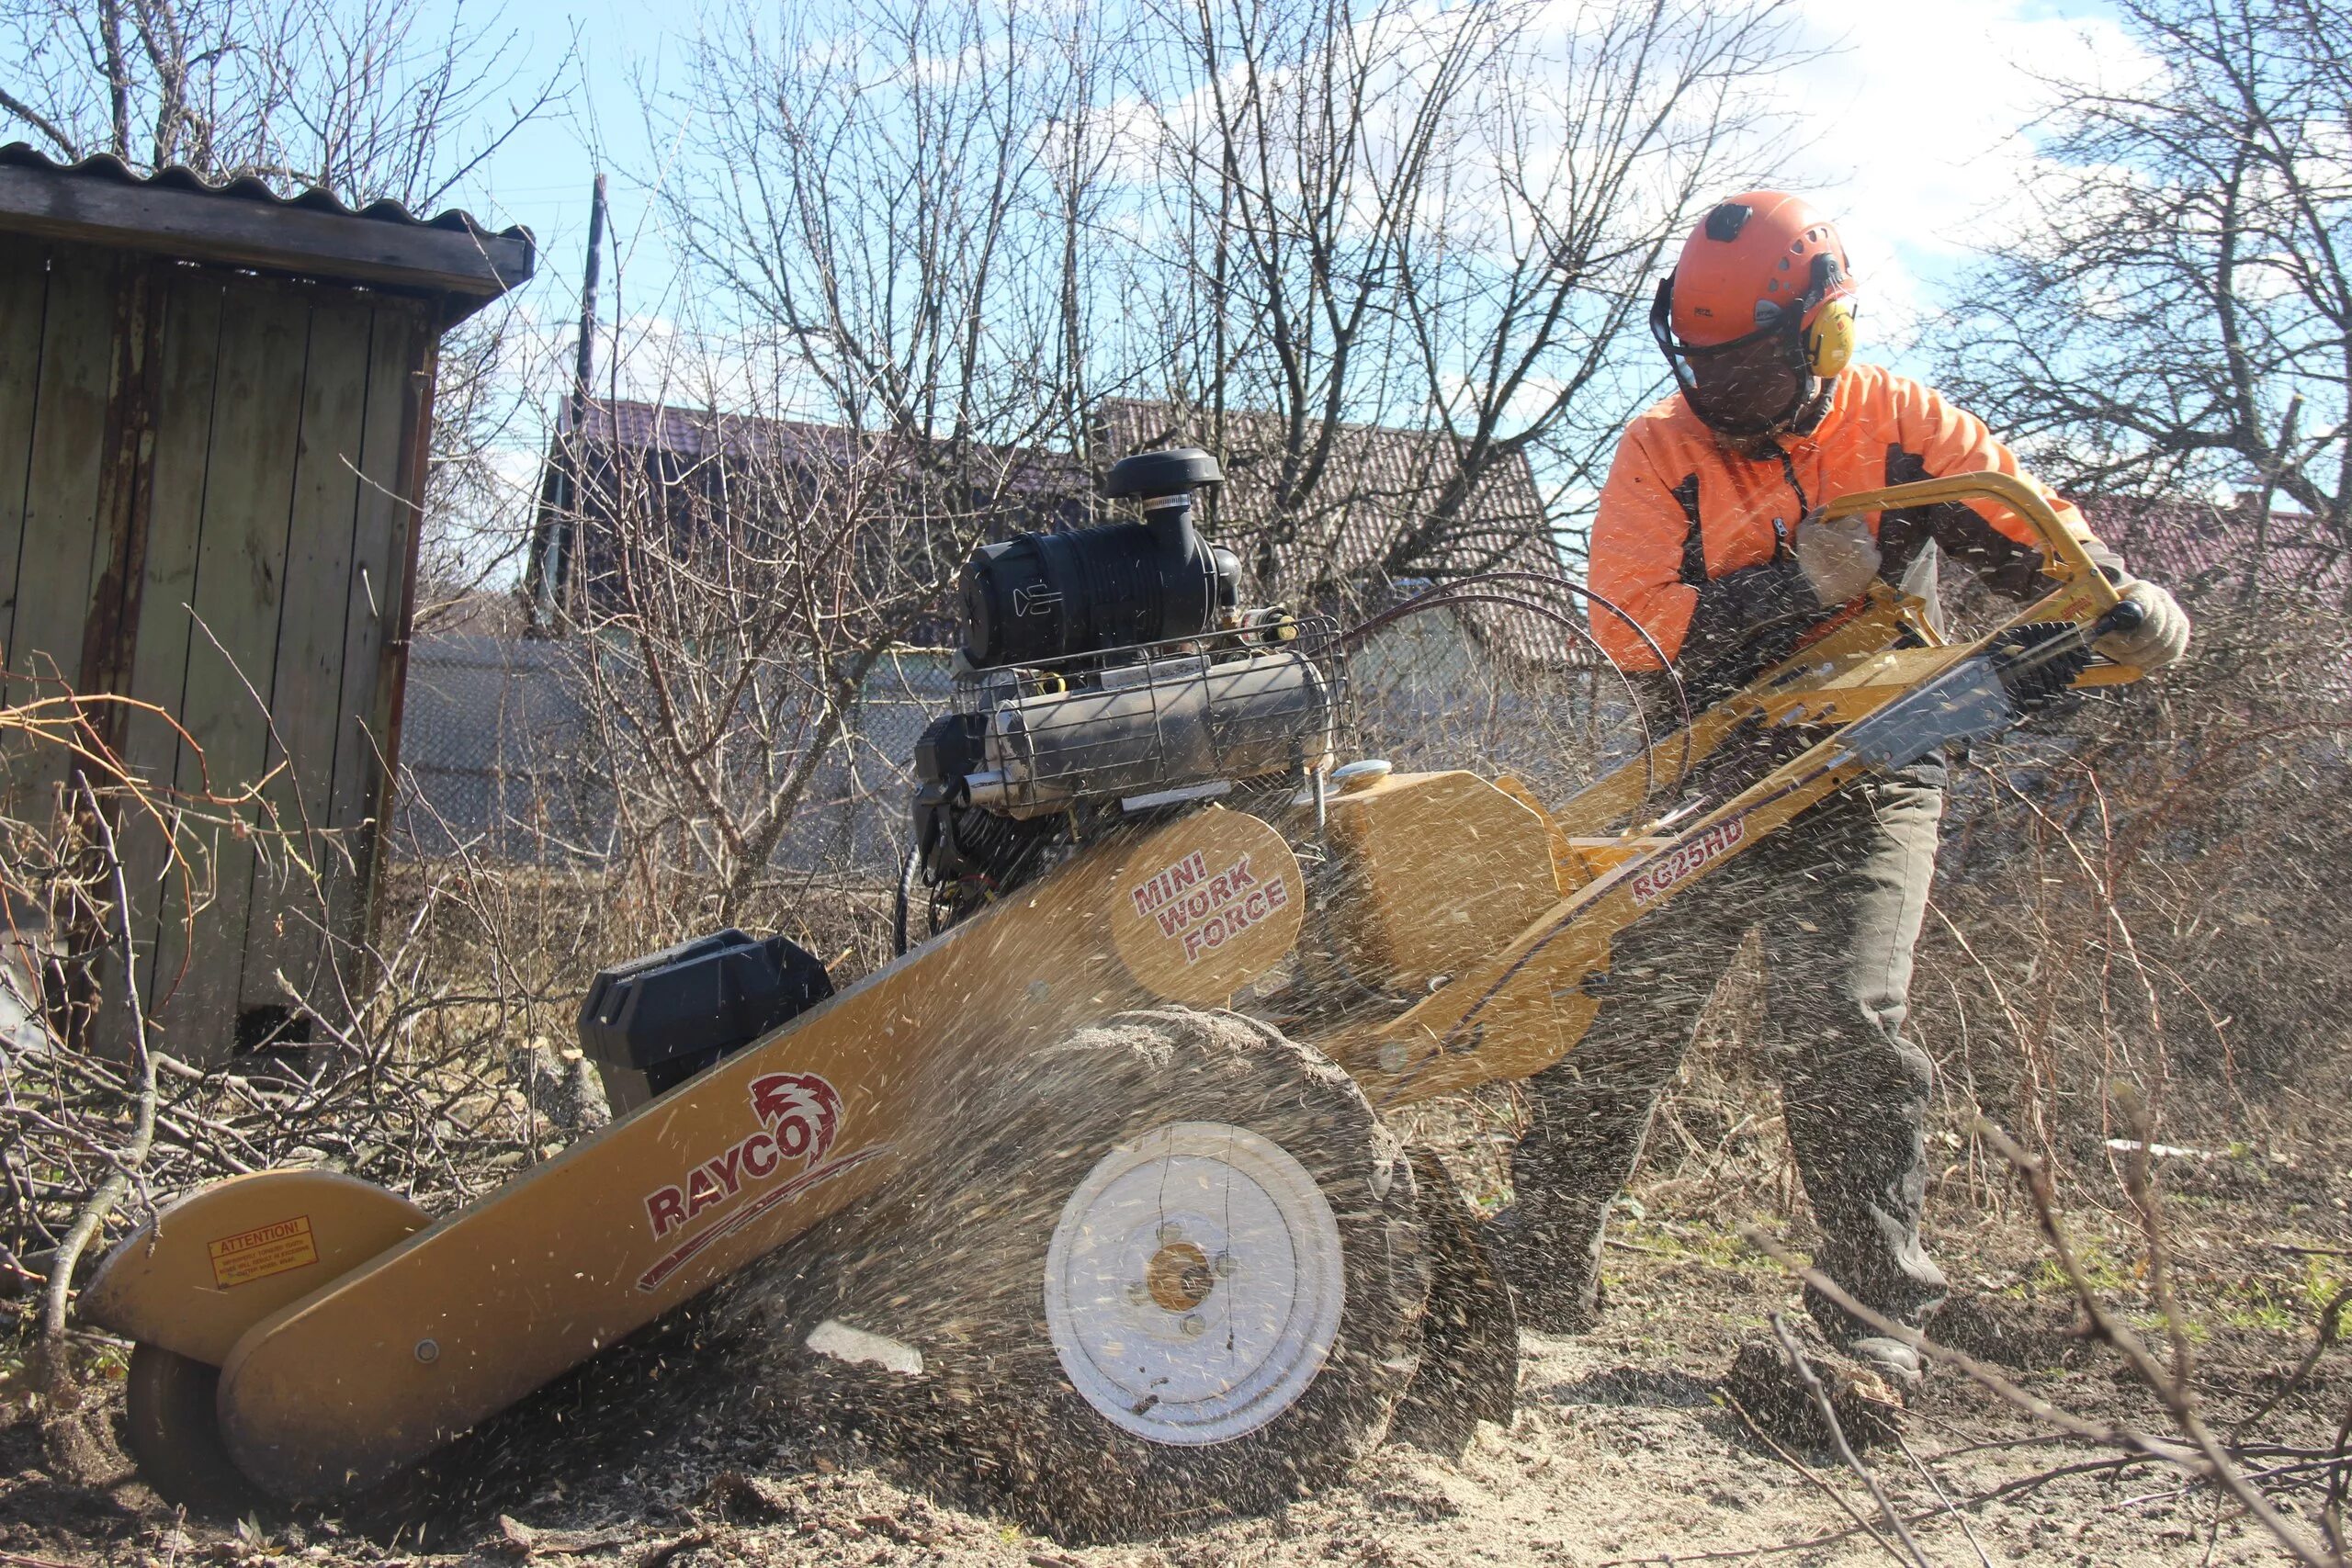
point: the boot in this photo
(1892, 1360)
(1553, 1289)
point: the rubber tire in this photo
(960, 1275)
(172, 1425)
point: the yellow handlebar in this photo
(2065, 549)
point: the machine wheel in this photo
(171, 1424)
(1180, 1274)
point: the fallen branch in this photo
(2331, 1319)
(1805, 1375)
(1861, 1525)
(1936, 1487)
(2201, 1455)
(55, 1374)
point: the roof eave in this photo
(469, 265)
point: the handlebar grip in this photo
(2126, 616)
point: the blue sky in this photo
(1916, 107)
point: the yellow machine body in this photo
(358, 1376)
(1442, 870)
(212, 1265)
(1485, 914)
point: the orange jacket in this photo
(1683, 513)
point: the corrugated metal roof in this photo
(106, 166)
(175, 211)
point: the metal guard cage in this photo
(1156, 717)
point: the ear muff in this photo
(1829, 341)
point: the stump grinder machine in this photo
(1098, 1171)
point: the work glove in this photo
(1838, 558)
(2162, 634)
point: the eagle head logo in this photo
(801, 1110)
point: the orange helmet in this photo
(1762, 264)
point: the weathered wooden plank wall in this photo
(224, 510)
(378, 595)
(55, 540)
(191, 358)
(24, 314)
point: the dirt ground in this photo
(1624, 1448)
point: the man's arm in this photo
(1639, 535)
(1933, 438)
(1997, 542)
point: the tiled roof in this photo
(2194, 547)
(1378, 481)
(693, 435)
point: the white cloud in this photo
(1920, 111)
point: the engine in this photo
(1112, 671)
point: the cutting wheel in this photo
(172, 1423)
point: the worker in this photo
(1708, 535)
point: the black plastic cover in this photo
(951, 746)
(673, 1013)
(1045, 596)
(1173, 470)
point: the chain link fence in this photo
(503, 759)
(501, 753)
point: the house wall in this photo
(207, 481)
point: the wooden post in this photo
(559, 502)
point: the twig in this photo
(2331, 1516)
(2330, 1317)
(2178, 1399)
(2194, 1459)
(1936, 1487)
(1862, 1523)
(1925, 1516)
(117, 1185)
(1812, 1381)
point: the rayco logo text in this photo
(1654, 882)
(1205, 911)
(800, 1115)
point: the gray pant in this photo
(1839, 896)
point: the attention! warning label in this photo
(265, 1250)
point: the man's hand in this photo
(2162, 634)
(1838, 560)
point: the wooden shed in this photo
(215, 406)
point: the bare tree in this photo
(1282, 224)
(2174, 308)
(362, 99)
(1442, 222)
(890, 216)
(740, 580)
(1595, 138)
(1297, 145)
